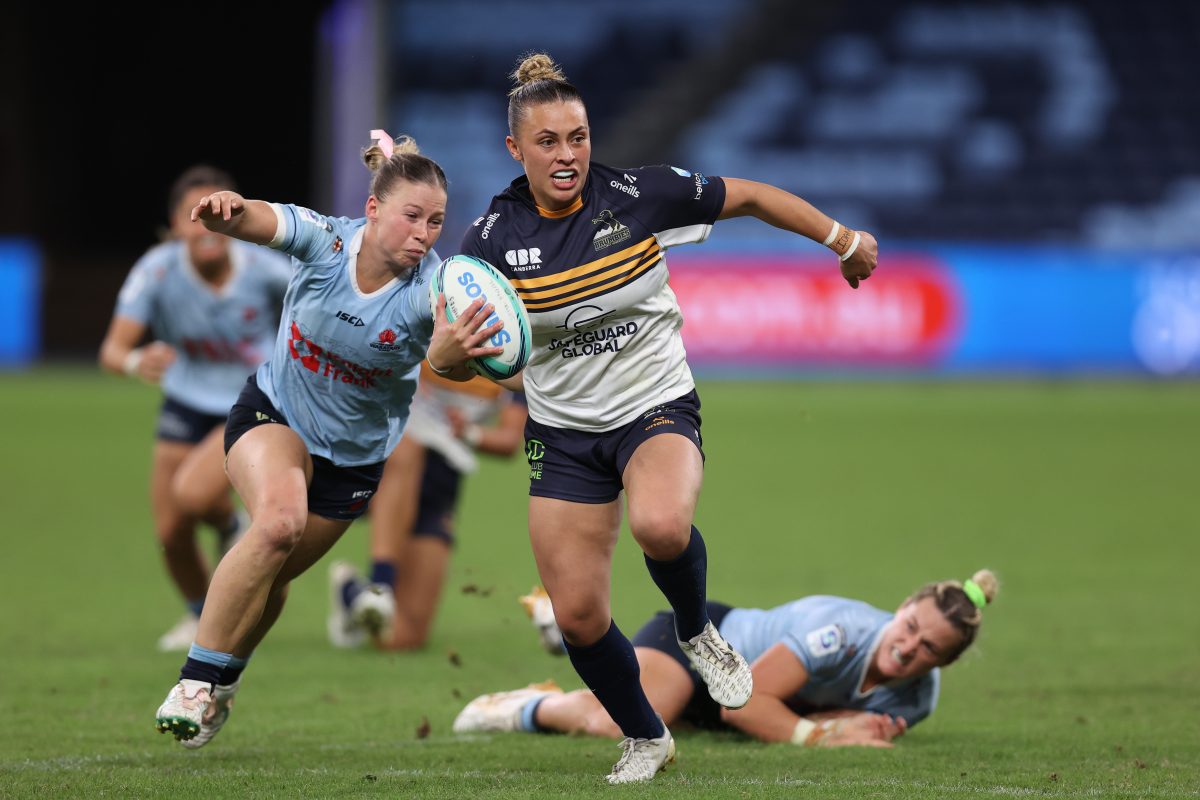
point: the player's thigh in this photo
(573, 546)
(201, 481)
(393, 509)
(666, 683)
(270, 468)
(166, 459)
(662, 483)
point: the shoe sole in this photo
(180, 727)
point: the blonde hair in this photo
(405, 164)
(538, 81)
(958, 609)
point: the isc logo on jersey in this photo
(463, 280)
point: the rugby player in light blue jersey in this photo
(612, 404)
(308, 437)
(211, 305)
(828, 671)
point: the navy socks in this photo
(610, 669)
(683, 582)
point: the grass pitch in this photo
(1084, 681)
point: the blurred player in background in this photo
(583, 245)
(211, 305)
(307, 439)
(413, 513)
(828, 671)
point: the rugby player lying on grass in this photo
(828, 671)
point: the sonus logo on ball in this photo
(475, 292)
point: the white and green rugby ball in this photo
(465, 279)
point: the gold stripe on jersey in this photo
(566, 276)
(477, 386)
(565, 212)
(593, 286)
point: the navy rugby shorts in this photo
(659, 634)
(585, 467)
(335, 492)
(178, 422)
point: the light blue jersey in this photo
(220, 335)
(345, 364)
(835, 638)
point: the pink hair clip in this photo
(385, 141)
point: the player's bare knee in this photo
(581, 624)
(662, 534)
(277, 529)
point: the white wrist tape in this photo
(437, 371)
(133, 360)
(803, 728)
(853, 246)
(472, 435)
(833, 233)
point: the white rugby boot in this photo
(183, 711)
(722, 668)
(340, 626)
(181, 635)
(500, 712)
(642, 759)
(215, 716)
(541, 612)
(374, 608)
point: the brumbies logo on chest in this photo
(611, 231)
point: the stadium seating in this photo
(1021, 121)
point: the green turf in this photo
(1081, 496)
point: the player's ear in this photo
(372, 211)
(513, 150)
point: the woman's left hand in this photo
(860, 265)
(454, 343)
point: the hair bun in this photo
(987, 581)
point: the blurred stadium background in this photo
(1030, 168)
(1015, 388)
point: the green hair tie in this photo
(975, 593)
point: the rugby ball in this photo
(465, 279)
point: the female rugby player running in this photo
(308, 437)
(583, 246)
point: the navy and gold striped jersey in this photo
(593, 277)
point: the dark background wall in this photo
(102, 110)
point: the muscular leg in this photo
(573, 546)
(270, 468)
(320, 534)
(662, 483)
(175, 529)
(200, 486)
(662, 487)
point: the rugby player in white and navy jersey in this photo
(210, 305)
(310, 432)
(830, 671)
(584, 247)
